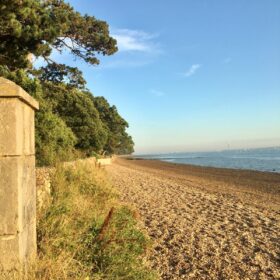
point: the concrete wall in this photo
(104, 161)
(17, 176)
(43, 187)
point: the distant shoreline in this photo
(263, 181)
(264, 160)
(202, 166)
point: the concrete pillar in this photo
(17, 177)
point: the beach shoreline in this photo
(265, 186)
(205, 223)
(199, 165)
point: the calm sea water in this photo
(266, 159)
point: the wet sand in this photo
(206, 223)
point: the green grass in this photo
(85, 233)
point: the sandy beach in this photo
(205, 223)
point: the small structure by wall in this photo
(104, 161)
(17, 176)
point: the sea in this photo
(261, 159)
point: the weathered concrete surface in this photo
(17, 176)
(43, 187)
(10, 89)
(105, 161)
(16, 127)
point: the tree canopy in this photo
(71, 120)
(118, 141)
(40, 26)
(77, 110)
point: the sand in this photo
(205, 223)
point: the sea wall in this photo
(105, 161)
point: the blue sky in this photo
(191, 75)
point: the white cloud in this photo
(157, 93)
(135, 40)
(192, 70)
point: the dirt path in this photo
(197, 233)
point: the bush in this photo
(77, 110)
(54, 140)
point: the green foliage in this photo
(53, 138)
(59, 73)
(118, 141)
(80, 114)
(37, 27)
(70, 119)
(127, 145)
(78, 239)
(97, 126)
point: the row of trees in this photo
(71, 121)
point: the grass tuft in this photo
(85, 233)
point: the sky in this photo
(191, 75)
